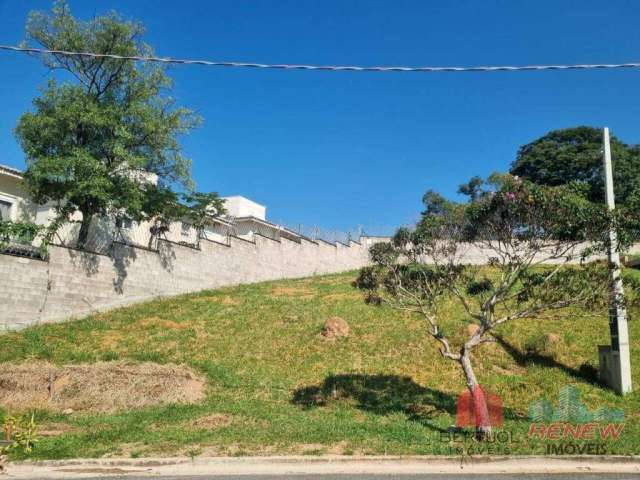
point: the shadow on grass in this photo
(586, 372)
(382, 395)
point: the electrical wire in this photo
(334, 68)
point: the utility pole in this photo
(615, 362)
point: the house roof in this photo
(263, 222)
(219, 220)
(10, 170)
(283, 230)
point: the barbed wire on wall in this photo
(315, 232)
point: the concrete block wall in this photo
(73, 283)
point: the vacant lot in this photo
(275, 385)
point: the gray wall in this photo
(73, 283)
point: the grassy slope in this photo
(260, 348)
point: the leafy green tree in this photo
(161, 207)
(575, 155)
(200, 207)
(532, 236)
(93, 142)
(473, 188)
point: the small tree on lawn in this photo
(93, 143)
(534, 239)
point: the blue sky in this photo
(345, 149)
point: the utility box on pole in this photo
(615, 362)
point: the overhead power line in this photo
(335, 68)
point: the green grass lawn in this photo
(278, 387)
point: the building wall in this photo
(11, 191)
(239, 206)
(74, 283)
(103, 228)
(103, 231)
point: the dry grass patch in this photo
(215, 420)
(98, 387)
(329, 280)
(225, 300)
(54, 429)
(339, 297)
(338, 448)
(110, 339)
(299, 292)
(512, 370)
(160, 322)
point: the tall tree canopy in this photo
(575, 155)
(95, 139)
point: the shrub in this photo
(21, 432)
(23, 233)
(18, 238)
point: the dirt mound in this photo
(96, 387)
(552, 338)
(335, 327)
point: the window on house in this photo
(5, 210)
(186, 228)
(124, 223)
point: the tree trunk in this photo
(479, 400)
(153, 233)
(83, 234)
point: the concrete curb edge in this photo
(284, 465)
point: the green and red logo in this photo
(571, 421)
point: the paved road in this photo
(580, 476)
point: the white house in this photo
(13, 197)
(249, 219)
(239, 207)
(244, 219)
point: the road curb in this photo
(287, 465)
